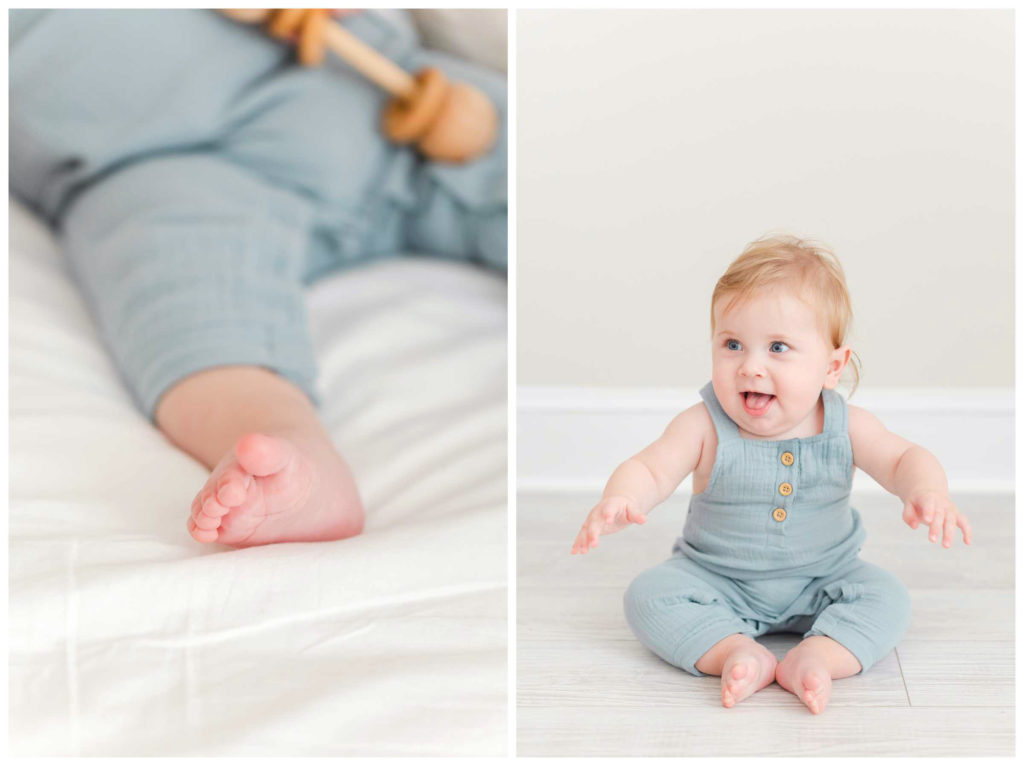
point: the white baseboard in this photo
(570, 439)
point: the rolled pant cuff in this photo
(865, 652)
(176, 361)
(696, 644)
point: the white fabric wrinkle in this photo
(129, 638)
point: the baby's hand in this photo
(609, 515)
(937, 510)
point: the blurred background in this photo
(654, 145)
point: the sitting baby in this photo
(771, 542)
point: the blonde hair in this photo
(782, 259)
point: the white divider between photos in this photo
(571, 438)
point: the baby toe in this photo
(262, 455)
(201, 535)
(202, 521)
(232, 487)
(212, 508)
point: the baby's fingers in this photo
(965, 526)
(910, 515)
(583, 540)
(594, 527)
(933, 517)
(578, 545)
(948, 528)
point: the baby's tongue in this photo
(757, 401)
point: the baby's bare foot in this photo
(276, 488)
(806, 674)
(748, 669)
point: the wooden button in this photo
(787, 458)
(785, 488)
(779, 514)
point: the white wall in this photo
(653, 145)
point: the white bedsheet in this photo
(128, 638)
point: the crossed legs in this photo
(678, 609)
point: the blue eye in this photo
(778, 347)
(733, 345)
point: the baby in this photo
(770, 542)
(197, 179)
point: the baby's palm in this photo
(608, 516)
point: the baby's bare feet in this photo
(748, 669)
(276, 488)
(805, 673)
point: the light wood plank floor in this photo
(586, 686)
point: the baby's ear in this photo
(837, 362)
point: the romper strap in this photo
(836, 416)
(724, 426)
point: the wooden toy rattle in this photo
(448, 121)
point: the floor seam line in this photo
(903, 678)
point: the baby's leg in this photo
(862, 613)
(193, 269)
(686, 617)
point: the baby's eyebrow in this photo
(785, 337)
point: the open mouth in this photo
(756, 403)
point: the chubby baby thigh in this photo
(679, 610)
(863, 607)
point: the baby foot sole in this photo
(277, 488)
(746, 671)
(807, 679)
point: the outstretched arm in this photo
(647, 478)
(911, 473)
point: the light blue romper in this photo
(198, 178)
(770, 546)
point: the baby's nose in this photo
(752, 368)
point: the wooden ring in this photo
(406, 120)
